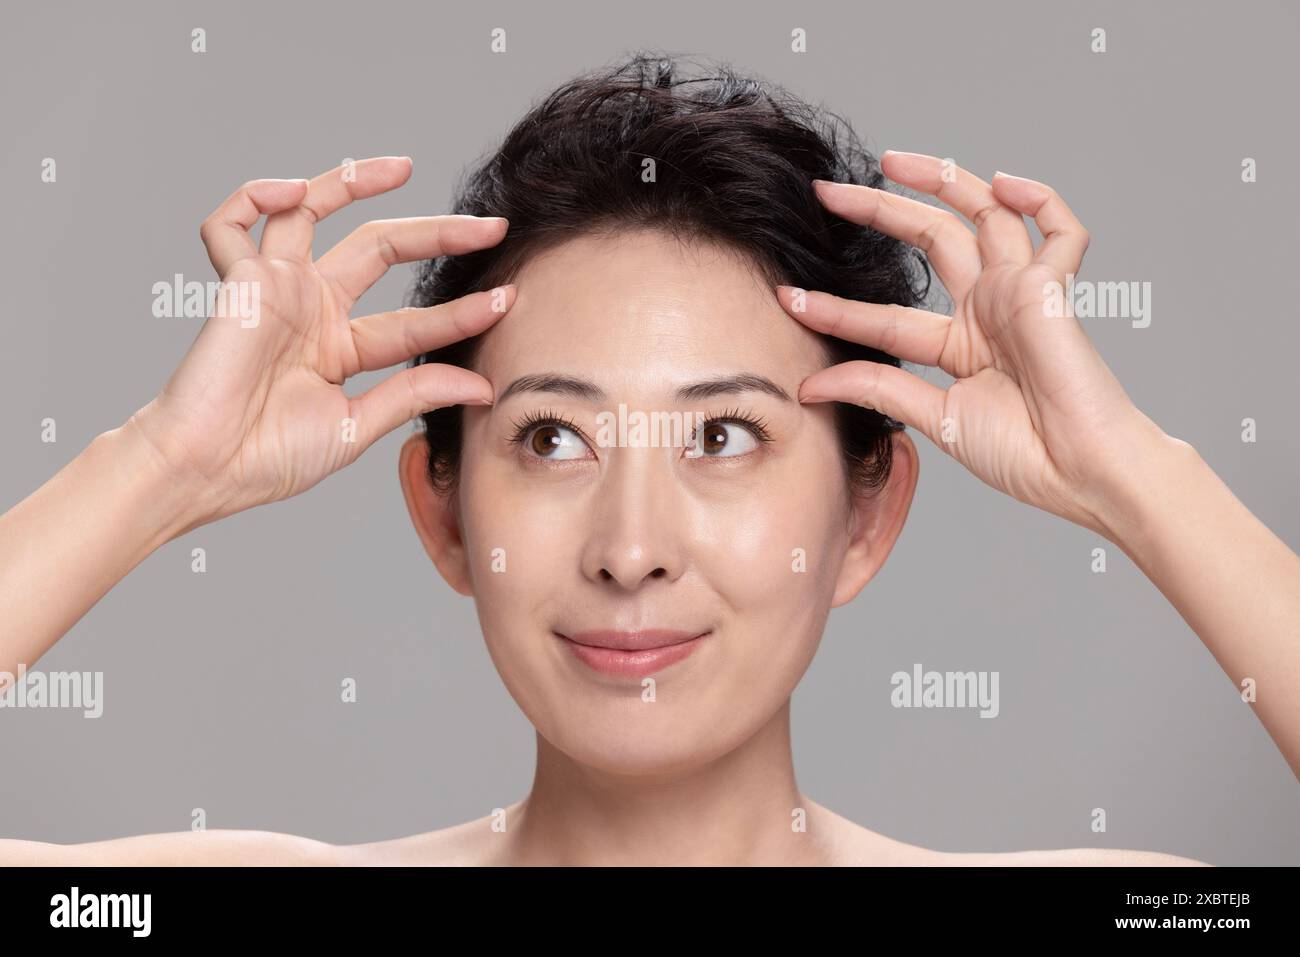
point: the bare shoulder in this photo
(476, 843)
(472, 843)
(844, 843)
(215, 848)
(847, 843)
(1073, 857)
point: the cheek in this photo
(519, 550)
(772, 557)
(507, 530)
(772, 546)
(521, 555)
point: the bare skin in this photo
(840, 842)
(252, 416)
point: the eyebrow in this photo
(577, 388)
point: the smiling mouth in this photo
(632, 654)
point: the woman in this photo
(644, 248)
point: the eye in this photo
(549, 436)
(722, 440)
(555, 442)
(729, 436)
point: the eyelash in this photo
(757, 425)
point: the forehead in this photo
(640, 309)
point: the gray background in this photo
(222, 689)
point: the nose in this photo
(635, 533)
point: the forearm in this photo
(1235, 583)
(69, 542)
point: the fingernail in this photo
(1021, 179)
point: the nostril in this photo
(607, 575)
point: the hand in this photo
(256, 411)
(1034, 411)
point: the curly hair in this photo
(733, 159)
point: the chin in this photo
(634, 740)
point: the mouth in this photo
(632, 654)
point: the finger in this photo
(1064, 238)
(888, 389)
(288, 234)
(362, 258)
(411, 392)
(999, 229)
(386, 338)
(950, 246)
(912, 334)
(225, 231)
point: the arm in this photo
(1235, 583)
(69, 542)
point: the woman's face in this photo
(748, 538)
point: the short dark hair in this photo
(734, 157)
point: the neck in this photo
(737, 809)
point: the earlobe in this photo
(434, 515)
(877, 522)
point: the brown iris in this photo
(715, 438)
(544, 446)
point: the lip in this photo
(631, 654)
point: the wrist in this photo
(164, 503)
(1126, 502)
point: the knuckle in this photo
(383, 244)
(868, 395)
(890, 331)
(834, 316)
(931, 233)
(414, 400)
(984, 212)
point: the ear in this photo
(433, 514)
(877, 521)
